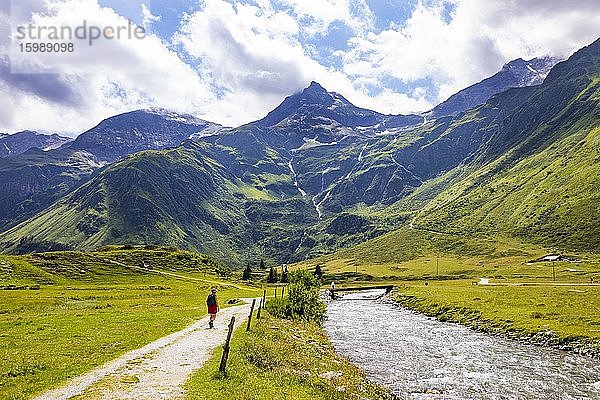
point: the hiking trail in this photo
(156, 371)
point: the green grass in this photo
(79, 310)
(410, 254)
(570, 313)
(281, 359)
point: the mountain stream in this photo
(418, 357)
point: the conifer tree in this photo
(247, 273)
(273, 278)
(318, 272)
(284, 275)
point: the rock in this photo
(330, 375)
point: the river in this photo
(418, 357)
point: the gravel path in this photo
(156, 371)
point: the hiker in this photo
(213, 306)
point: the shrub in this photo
(303, 300)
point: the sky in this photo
(232, 61)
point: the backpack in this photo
(211, 300)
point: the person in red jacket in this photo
(213, 306)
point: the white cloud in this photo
(248, 57)
(474, 42)
(110, 77)
(147, 17)
(319, 15)
(253, 54)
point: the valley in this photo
(483, 211)
(65, 314)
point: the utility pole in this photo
(553, 273)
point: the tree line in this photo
(274, 276)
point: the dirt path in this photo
(156, 371)
(172, 274)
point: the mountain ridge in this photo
(516, 73)
(286, 188)
(19, 142)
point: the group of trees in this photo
(273, 276)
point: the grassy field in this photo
(569, 312)
(281, 359)
(412, 255)
(63, 313)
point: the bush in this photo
(303, 302)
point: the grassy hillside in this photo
(409, 254)
(64, 313)
(541, 181)
(549, 198)
(188, 197)
(34, 180)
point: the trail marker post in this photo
(225, 355)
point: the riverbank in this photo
(282, 359)
(562, 317)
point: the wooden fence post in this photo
(282, 291)
(226, 347)
(264, 298)
(259, 307)
(275, 291)
(250, 316)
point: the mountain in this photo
(316, 107)
(517, 73)
(318, 173)
(537, 176)
(20, 142)
(230, 191)
(33, 180)
(139, 130)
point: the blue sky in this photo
(232, 61)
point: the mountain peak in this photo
(515, 73)
(146, 129)
(312, 96)
(314, 87)
(20, 142)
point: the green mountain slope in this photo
(525, 164)
(542, 181)
(181, 197)
(34, 179)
